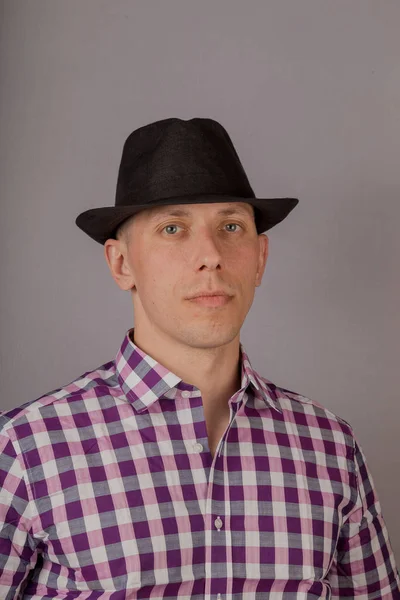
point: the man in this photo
(176, 470)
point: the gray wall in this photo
(310, 93)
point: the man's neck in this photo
(216, 372)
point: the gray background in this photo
(310, 93)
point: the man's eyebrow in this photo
(180, 212)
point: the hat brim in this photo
(102, 223)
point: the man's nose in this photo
(209, 253)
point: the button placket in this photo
(233, 410)
(197, 447)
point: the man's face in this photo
(174, 252)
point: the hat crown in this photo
(174, 157)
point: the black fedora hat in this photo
(176, 161)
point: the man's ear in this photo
(262, 257)
(116, 255)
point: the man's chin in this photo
(210, 335)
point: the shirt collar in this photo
(144, 380)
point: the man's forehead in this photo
(186, 210)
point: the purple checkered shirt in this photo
(109, 491)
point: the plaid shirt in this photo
(109, 491)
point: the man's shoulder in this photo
(304, 409)
(65, 398)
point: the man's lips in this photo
(211, 300)
(207, 293)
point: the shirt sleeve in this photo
(17, 547)
(364, 565)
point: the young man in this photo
(176, 470)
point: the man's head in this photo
(167, 254)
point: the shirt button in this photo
(218, 523)
(185, 394)
(198, 448)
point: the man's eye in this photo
(235, 224)
(169, 227)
